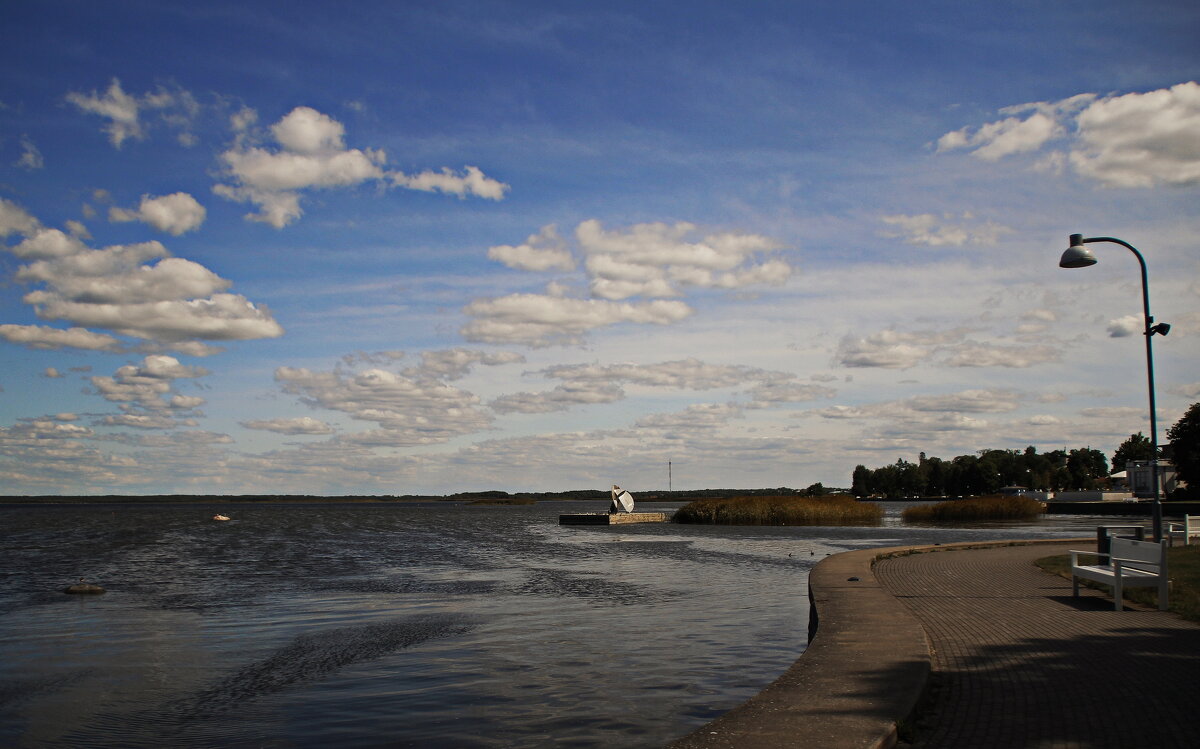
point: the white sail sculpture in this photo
(622, 501)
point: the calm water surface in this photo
(436, 625)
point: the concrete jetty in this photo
(612, 518)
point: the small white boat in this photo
(220, 517)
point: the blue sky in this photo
(394, 248)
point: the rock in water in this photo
(83, 587)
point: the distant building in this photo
(1138, 474)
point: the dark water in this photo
(414, 625)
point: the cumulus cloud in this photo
(656, 259)
(123, 111)
(1131, 140)
(174, 214)
(650, 261)
(45, 337)
(472, 181)
(543, 251)
(310, 152)
(301, 425)
(542, 320)
(142, 390)
(889, 349)
(410, 410)
(1125, 326)
(947, 230)
(560, 398)
(138, 290)
(16, 220)
(452, 364)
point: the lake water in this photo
(438, 625)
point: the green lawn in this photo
(1183, 569)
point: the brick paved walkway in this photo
(1017, 662)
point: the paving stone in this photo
(1018, 662)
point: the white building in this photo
(1138, 474)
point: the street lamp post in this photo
(1079, 256)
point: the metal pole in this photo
(1156, 508)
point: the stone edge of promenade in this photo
(863, 673)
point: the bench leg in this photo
(1117, 593)
(1163, 585)
(1074, 586)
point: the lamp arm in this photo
(1149, 321)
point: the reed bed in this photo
(978, 508)
(838, 509)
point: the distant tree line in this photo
(1058, 470)
(983, 473)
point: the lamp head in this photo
(1077, 255)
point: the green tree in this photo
(1086, 466)
(1137, 447)
(1185, 448)
(861, 481)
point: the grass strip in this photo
(1183, 569)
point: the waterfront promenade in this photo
(973, 646)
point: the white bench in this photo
(1188, 529)
(1131, 564)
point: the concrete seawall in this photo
(863, 673)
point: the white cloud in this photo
(142, 392)
(452, 364)
(543, 251)
(651, 260)
(560, 398)
(697, 416)
(471, 182)
(44, 337)
(311, 153)
(1125, 326)
(137, 290)
(16, 220)
(31, 157)
(52, 373)
(584, 384)
(174, 214)
(301, 425)
(1141, 140)
(1131, 140)
(123, 111)
(945, 231)
(409, 410)
(967, 401)
(888, 349)
(656, 260)
(975, 354)
(118, 107)
(539, 320)
(892, 349)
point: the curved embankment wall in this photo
(864, 671)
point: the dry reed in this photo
(836, 509)
(977, 508)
